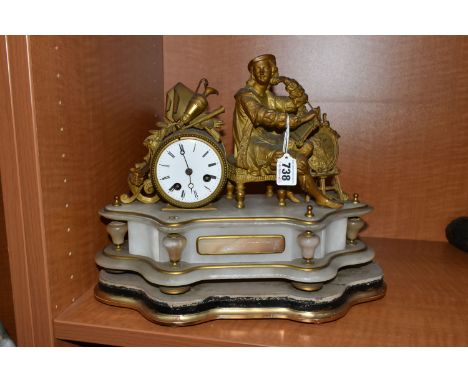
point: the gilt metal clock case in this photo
(189, 169)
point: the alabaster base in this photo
(182, 267)
(222, 234)
(183, 273)
(207, 301)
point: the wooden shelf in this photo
(74, 111)
(426, 305)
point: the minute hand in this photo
(188, 171)
(185, 159)
(182, 152)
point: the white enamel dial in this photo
(189, 171)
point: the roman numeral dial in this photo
(189, 170)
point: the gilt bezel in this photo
(183, 136)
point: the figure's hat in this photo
(262, 57)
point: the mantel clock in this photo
(190, 245)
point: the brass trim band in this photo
(112, 214)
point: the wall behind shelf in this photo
(400, 105)
(95, 100)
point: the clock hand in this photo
(182, 152)
(188, 171)
(188, 167)
(192, 190)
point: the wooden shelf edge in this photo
(72, 325)
(406, 316)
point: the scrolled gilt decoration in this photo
(184, 109)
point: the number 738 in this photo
(286, 170)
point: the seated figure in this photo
(259, 124)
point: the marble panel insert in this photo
(240, 244)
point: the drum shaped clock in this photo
(189, 169)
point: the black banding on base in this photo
(214, 302)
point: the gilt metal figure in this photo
(259, 122)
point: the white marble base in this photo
(148, 224)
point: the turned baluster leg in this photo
(269, 190)
(240, 195)
(117, 231)
(308, 241)
(355, 224)
(281, 197)
(229, 190)
(322, 185)
(174, 244)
